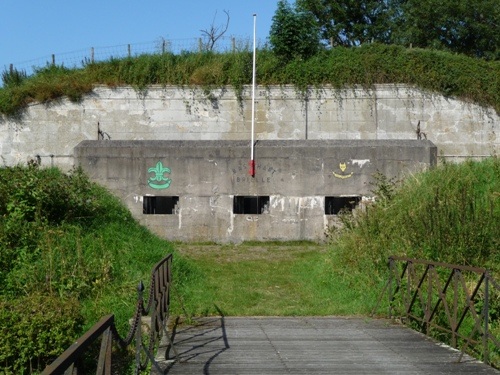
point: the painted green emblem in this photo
(159, 181)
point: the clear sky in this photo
(32, 30)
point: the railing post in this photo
(391, 271)
(486, 318)
(429, 299)
(104, 361)
(454, 341)
(138, 332)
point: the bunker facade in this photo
(202, 190)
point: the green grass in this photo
(450, 214)
(450, 74)
(269, 279)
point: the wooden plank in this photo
(311, 345)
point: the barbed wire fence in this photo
(80, 58)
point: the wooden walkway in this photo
(312, 345)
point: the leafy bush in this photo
(69, 245)
(38, 204)
(35, 330)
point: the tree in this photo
(214, 33)
(294, 33)
(352, 22)
(464, 26)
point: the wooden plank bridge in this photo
(309, 345)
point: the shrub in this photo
(35, 330)
(449, 214)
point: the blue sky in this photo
(32, 30)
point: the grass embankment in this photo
(268, 279)
(70, 253)
(67, 242)
(442, 72)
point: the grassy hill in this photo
(450, 74)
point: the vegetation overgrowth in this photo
(70, 253)
(450, 214)
(442, 72)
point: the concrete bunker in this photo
(202, 191)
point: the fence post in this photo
(391, 271)
(129, 50)
(53, 59)
(429, 300)
(138, 332)
(92, 55)
(486, 318)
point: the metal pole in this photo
(252, 161)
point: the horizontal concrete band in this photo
(49, 132)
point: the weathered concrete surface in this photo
(312, 345)
(296, 175)
(51, 131)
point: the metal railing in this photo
(157, 309)
(449, 302)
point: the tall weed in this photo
(449, 74)
(450, 214)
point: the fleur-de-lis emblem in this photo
(159, 175)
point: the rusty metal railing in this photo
(446, 301)
(157, 309)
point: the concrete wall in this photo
(296, 175)
(51, 131)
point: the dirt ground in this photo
(247, 251)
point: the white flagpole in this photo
(252, 161)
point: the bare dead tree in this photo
(214, 33)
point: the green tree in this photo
(294, 32)
(352, 22)
(470, 27)
(464, 26)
